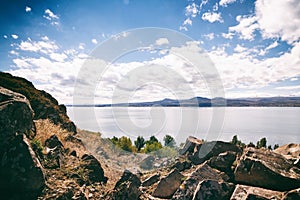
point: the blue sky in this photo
(254, 45)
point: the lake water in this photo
(278, 124)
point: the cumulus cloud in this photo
(279, 19)
(192, 10)
(94, 41)
(27, 9)
(246, 27)
(49, 15)
(209, 36)
(227, 35)
(14, 36)
(212, 17)
(224, 3)
(162, 41)
(42, 46)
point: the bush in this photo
(261, 143)
(37, 147)
(139, 143)
(152, 147)
(169, 141)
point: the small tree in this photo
(152, 140)
(169, 141)
(234, 140)
(114, 140)
(139, 142)
(261, 143)
(125, 144)
(275, 146)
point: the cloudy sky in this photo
(253, 45)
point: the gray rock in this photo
(94, 172)
(243, 192)
(202, 172)
(213, 190)
(168, 185)
(263, 168)
(151, 180)
(20, 171)
(127, 188)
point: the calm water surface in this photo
(278, 124)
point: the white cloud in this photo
(162, 41)
(94, 41)
(188, 21)
(246, 27)
(226, 2)
(227, 35)
(212, 17)
(209, 36)
(43, 46)
(272, 46)
(293, 87)
(192, 10)
(240, 70)
(49, 15)
(27, 9)
(13, 52)
(239, 48)
(5, 36)
(14, 36)
(183, 28)
(59, 57)
(294, 79)
(279, 19)
(81, 46)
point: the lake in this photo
(278, 124)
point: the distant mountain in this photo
(206, 102)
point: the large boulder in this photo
(199, 151)
(263, 168)
(127, 188)
(243, 192)
(151, 180)
(20, 171)
(94, 171)
(223, 162)
(202, 172)
(213, 190)
(55, 152)
(168, 185)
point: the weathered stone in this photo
(263, 168)
(292, 195)
(53, 142)
(168, 185)
(147, 163)
(151, 180)
(203, 172)
(95, 172)
(190, 145)
(20, 169)
(181, 166)
(243, 192)
(289, 151)
(55, 153)
(223, 162)
(199, 151)
(127, 188)
(213, 190)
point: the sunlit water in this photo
(278, 124)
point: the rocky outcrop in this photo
(20, 169)
(213, 190)
(289, 151)
(201, 173)
(243, 192)
(263, 168)
(55, 152)
(181, 166)
(43, 104)
(168, 185)
(198, 151)
(127, 188)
